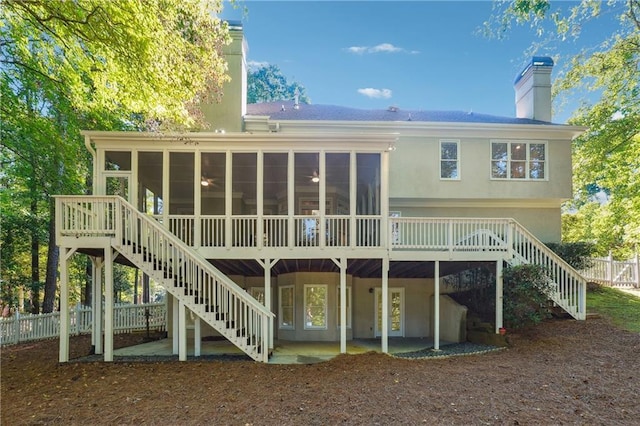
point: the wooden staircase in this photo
(522, 247)
(183, 272)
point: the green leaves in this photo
(606, 76)
(267, 84)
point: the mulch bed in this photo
(560, 372)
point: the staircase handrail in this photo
(200, 260)
(552, 261)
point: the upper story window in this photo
(519, 160)
(449, 159)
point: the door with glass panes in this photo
(395, 322)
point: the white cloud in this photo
(376, 93)
(380, 48)
(385, 47)
(359, 50)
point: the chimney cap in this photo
(536, 61)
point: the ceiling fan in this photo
(315, 177)
(206, 182)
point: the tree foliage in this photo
(96, 65)
(268, 84)
(607, 156)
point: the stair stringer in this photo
(191, 279)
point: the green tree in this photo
(268, 84)
(607, 156)
(89, 64)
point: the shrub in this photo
(576, 254)
(525, 295)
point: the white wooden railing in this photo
(614, 273)
(183, 272)
(127, 318)
(505, 235)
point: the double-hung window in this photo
(286, 307)
(519, 160)
(315, 306)
(449, 159)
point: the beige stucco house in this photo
(321, 223)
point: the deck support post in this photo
(175, 326)
(64, 306)
(108, 304)
(97, 264)
(267, 264)
(385, 305)
(182, 331)
(499, 296)
(197, 338)
(343, 305)
(436, 306)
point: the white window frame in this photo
(307, 326)
(280, 308)
(348, 307)
(457, 159)
(527, 160)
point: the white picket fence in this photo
(614, 273)
(126, 318)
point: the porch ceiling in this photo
(363, 268)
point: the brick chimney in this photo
(533, 90)
(227, 114)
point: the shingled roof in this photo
(284, 110)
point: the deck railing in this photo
(127, 318)
(614, 273)
(362, 232)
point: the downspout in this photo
(87, 144)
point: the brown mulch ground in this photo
(561, 372)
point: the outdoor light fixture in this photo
(391, 147)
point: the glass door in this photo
(395, 322)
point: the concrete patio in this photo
(284, 352)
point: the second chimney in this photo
(533, 90)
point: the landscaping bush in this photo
(577, 254)
(525, 295)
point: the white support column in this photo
(436, 306)
(197, 202)
(96, 304)
(343, 305)
(64, 306)
(175, 326)
(228, 203)
(385, 305)
(182, 330)
(291, 199)
(499, 295)
(322, 200)
(267, 264)
(260, 200)
(108, 304)
(353, 198)
(197, 337)
(384, 199)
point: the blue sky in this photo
(414, 55)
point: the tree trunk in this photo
(53, 254)
(34, 293)
(88, 284)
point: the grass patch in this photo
(623, 309)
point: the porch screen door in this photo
(396, 312)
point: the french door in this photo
(395, 321)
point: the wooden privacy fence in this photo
(126, 318)
(614, 273)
